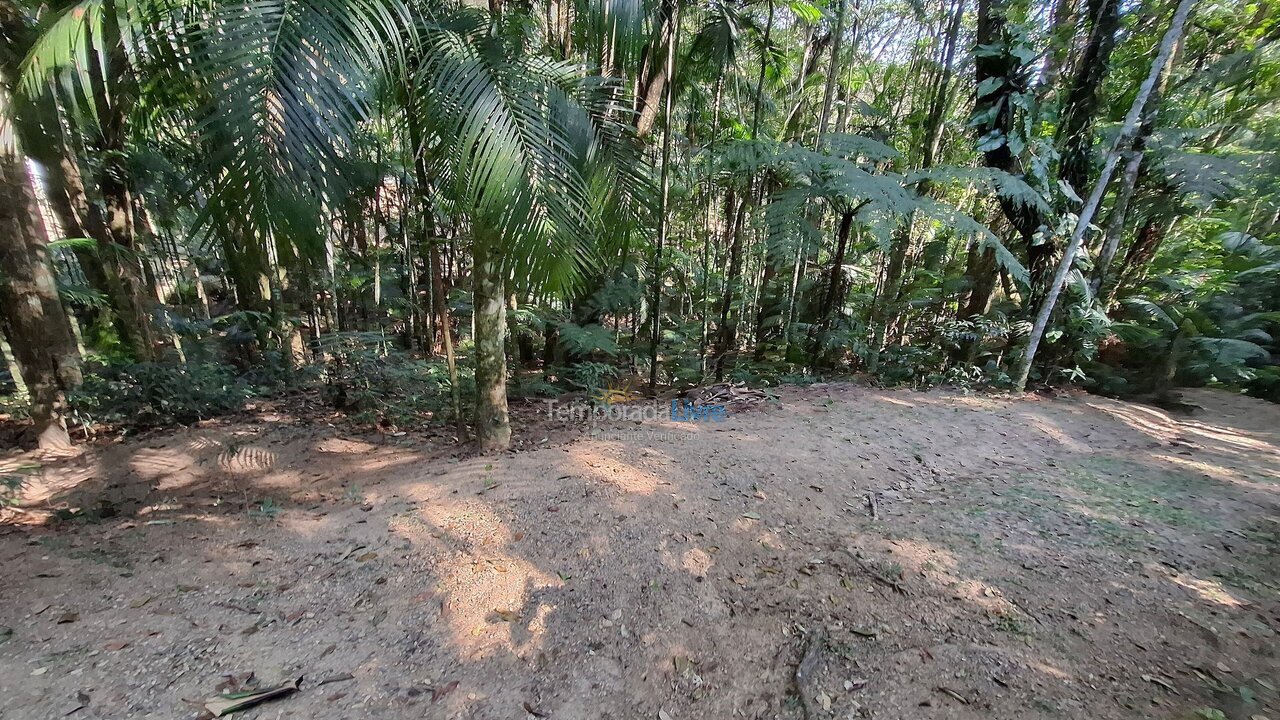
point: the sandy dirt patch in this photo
(841, 552)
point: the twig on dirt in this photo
(884, 579)
(241, 608)
(807, 668)
(874, 507)
(338, 563)
(953, 694)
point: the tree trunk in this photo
(664, 208)
(938, 106)
(884, 308)
(998, 107)
(1103, 280)
(728, 340)
(834, 284)
(36, 324)
(833, 72)
(1080, 108)
(1063, 25)
(120, 254)
(1144, 247)
(492, 424)
(444, 325)
(1119, 145)
(654, 73)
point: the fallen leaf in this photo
(437, 693)
(751, 515)
(507, 615)
(68, 617)
(227, 704)
(366, 557)
(682, 664)
(662, 714)
(1161, 682)
(139, 602)
(530, 709)
(115, 646)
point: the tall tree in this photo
(35, 322)
(1122, 143)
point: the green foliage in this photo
(136, 397)
(376, 384)
(585, 341)
(591, 377)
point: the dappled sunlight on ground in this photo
(937, 555)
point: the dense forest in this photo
(419, 209)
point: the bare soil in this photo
(841, 552)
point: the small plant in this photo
(267, 508)
(592, 377)
(11, 483)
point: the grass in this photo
(1125, 489)
(1111, 495)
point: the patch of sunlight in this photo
(1210, 590)
(162, 466)
(894, 401)
(1057, 434)
(696, 562)
(492, 594)
(1268, 483)
(1049, 670)
(601, 466)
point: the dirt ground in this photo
(839, 552)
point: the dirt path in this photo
(1068, 558)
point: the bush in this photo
(379, 385)
(153, 394)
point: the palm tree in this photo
(31, 313)
(528, 150)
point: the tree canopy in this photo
(422, 208)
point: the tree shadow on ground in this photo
(690, 570)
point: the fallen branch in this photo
(807, 668)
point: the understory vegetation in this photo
(415, 209)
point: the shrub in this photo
(153, 394)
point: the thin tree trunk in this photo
(833, 72)
(1103, 280)
(1081, 106)
(1063, 23)
(1125, 138)
(664, 209)
(444, 325)
(938, 106)
(834, 284)
(119, 251)
(728, 340)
